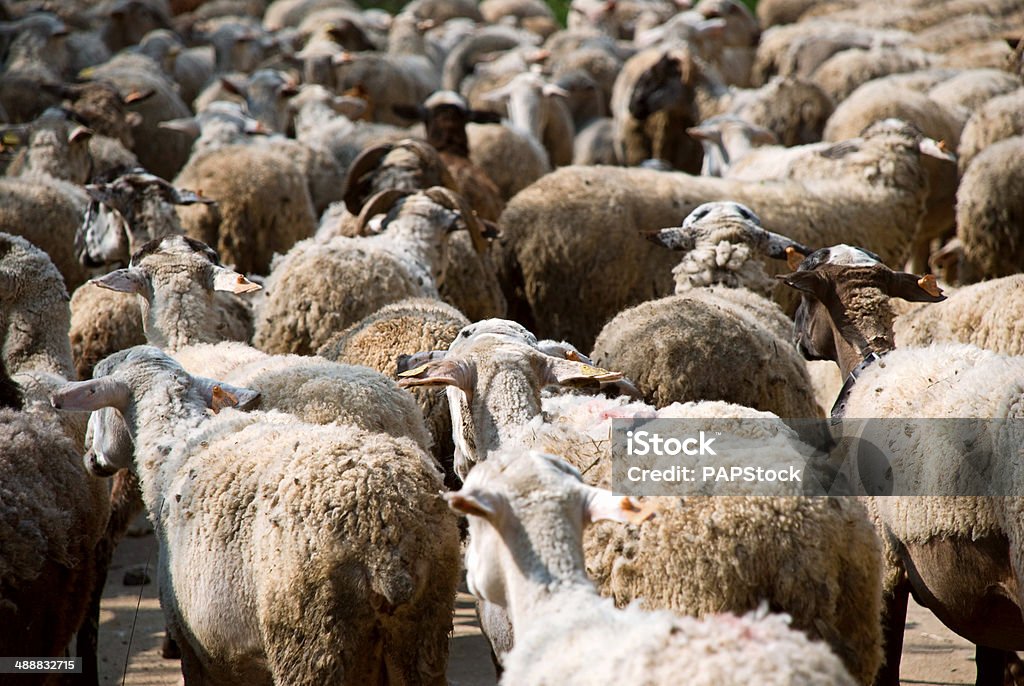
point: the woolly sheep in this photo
(264, 206)
(845, 304)
(46, 211)
(999, 118)
(989, 210)
(468, 280)
(512, 159)
(125, 214)
(983, 314)
(176, 279)
(372, 508)
(37, 53)
(553, 227)
(876, 101)
(523, 509)
(718, 337)
(405, 260)
(845, 71)
(400, 328)
(503, 379)
(534, 105)
(731, 141)
(52, 519)
(162, 153)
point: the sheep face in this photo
(526, 515)
(501, 380)
(844, 313)
(666, 85)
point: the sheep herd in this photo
(309, 282)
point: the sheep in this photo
(680, 86)
(126, 213)
(502, 380)
(971, 89)
(468, 279)
(162, 153)
(405, 326)
(989, 212)
(52, 519)
(981, 314)
(511, 158)
(264, 205)
(550, 229)
(734, 146)
(647, 107)
(526, 519)
(535, 106)
(34, 346)
(531, 15)
(176, 278)
(405, 260)
(999, 118)
(363, 507)
(932, 543)
(37, 54)
(845, 71)
(875, 101)
(689, 346)
(190, 68)
(446, 114)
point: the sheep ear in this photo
(810, 282)
(914, 289)
(91, 395)
(219, 395)
(564, 372)
(672, 238)
(188, 125)
(232, 282)
(605, 505)
(472, 502)
(127, 280)
(446, 372)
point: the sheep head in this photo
(844, 312)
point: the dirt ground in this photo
(931, 654)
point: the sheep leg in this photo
(87, 640)
(991, 664)
(894, 622)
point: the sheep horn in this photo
(355, 188)
(378, 204)
(429, 156)
(456, 203)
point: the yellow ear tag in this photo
(11, 139)
(416, 371)
(587, 370)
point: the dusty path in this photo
(931, 654)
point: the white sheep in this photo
(176, 278)
(950, 551)
(594, 216)
(313, 554)
(719, 337)
(526, 514)
(502, 379)
(311, 290)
